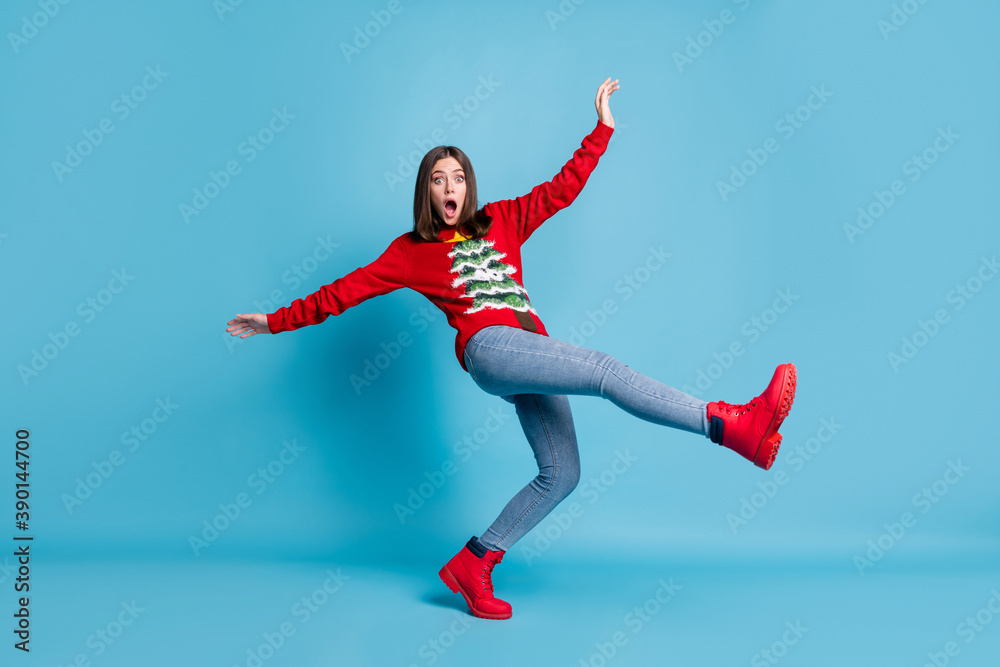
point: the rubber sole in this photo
(452, 583)
(768, 449)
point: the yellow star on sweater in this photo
(457, 237)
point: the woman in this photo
(467, 261)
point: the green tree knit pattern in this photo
(486, 278)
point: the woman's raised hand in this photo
(248, 325)
(603, 93)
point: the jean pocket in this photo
(468, 364)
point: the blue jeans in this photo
(535, 373)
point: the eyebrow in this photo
(441, 171)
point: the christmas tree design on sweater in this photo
(487, 280)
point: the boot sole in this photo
(452, 583)
(768, 449)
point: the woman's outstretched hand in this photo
(248, 325)
(603, 93)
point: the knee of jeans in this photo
(608, 364)
(561, 478)
(613, 363)
(571, 476)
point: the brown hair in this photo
(427, 224)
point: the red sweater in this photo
(475, 282)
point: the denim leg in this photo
(506, 361)
(548, 424)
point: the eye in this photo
(460, 179)
(437, 179)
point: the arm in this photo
(526, 213)
(387, 273)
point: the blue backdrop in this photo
(805, 182)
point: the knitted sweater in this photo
(475, 282)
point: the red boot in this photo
(469, 572)
(751, 429)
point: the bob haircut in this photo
(427, 224)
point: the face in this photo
(448, 189)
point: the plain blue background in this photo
(323, 179)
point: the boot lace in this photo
(737, 409)
(492, 558)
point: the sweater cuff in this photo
(272, 323)
(602, 127)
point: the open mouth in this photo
(450, 207)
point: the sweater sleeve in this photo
(526, 213)
(387, 273)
